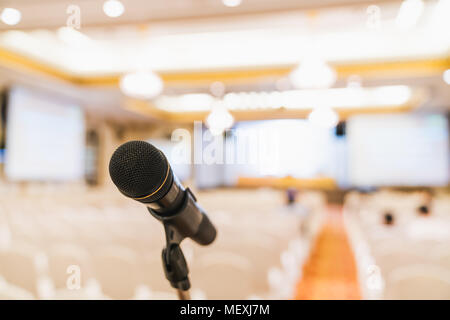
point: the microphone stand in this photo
(174, 263)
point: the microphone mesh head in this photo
(138, 169)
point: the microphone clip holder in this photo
(174, 263)
(177, 229)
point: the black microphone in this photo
(141, 171)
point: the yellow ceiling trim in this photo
(16, 61)
(404, 68)
(422, 67)
(144, 108)
(413, 68)
(324, 183)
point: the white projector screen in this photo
(44, 138)
(398, 150)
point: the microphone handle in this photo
(189, 220)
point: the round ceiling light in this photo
(313, 73)
(141, 85)
(113, 8)
(324, 117)
(219, 120)
(11, 16)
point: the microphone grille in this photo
(138, 169)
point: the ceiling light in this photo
(324, 117)
(11, 16)
(439, 18)
(392, 95)
(313, 73)
(113, 8)
(191, 102)
(141, 85)
(72, 37)
(219, 120)
(231, 3)
(353, 96)
(409, 13)
(446, 76)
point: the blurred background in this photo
(314, 133)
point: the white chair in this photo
(418, 282)
(223, 275)
(280, 286)
(394, 259)
(78, 294)
(261, 252)
(441, 255)
(62, 257)
(144, 293)
(22, 266)
(117, 271)
(151, 272)
(11, 292)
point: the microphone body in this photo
(141, 171)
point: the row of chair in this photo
(95, 245)
(406, 256)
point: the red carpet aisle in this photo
(330, 271)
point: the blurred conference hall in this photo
(314, 135)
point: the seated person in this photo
(424, 210)
(388, 218)
(291, 195)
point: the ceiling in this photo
(192, 43)
(278, 38)
(52, 13)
